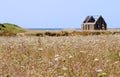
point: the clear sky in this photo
(58, 13)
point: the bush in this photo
(7, 33)
(50, 34)
(64, 33)
(39, 34)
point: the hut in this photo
(94, 23)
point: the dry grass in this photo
(70, 32)
(71, 56)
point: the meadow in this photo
(64, 56)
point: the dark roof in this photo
(91, 19)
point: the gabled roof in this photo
(91, 19)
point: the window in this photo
(103, 27)
(88, 27)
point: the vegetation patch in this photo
(61, 33)
(76, 33)
(85, 33)
(7, 29)
(76, 56)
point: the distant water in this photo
(54, 28)
(65, 28)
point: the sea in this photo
(65, 28)
(53, 28)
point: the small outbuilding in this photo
(94, 23)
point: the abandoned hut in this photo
(94, 23)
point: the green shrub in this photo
(40, 34)
(64, 33)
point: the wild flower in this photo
(11, 47)
(82, 51)
(40, 49)
(85, 52)
(108, 60)
(99, 70)
(64, 68)
(57, 57)
(4, 43)
(96, 59)
(62, 56)
(116, 62)
(70, 56)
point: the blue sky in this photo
(58, 13)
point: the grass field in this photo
(65, 56)
(70, 32)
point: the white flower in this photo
(64, 68)
(57, 57)
(108, 60)
(70, 57)
(83, 52)
(11, 47)
(40, 49)
(96, 59)
(116, 62)
(99, 70)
